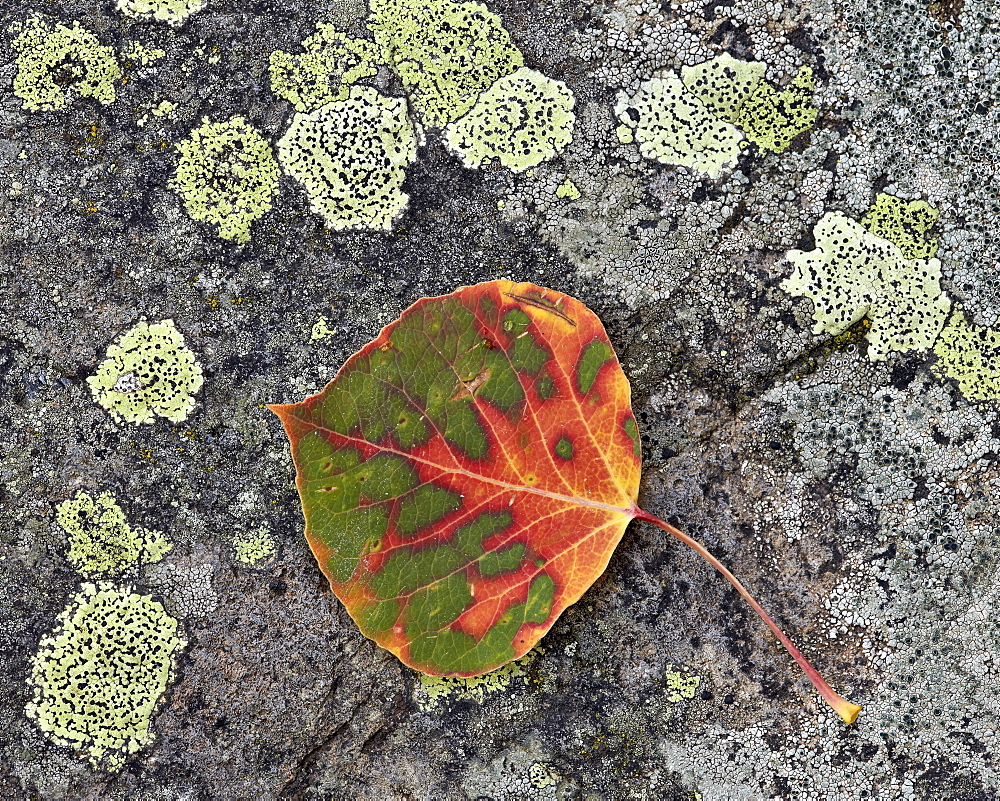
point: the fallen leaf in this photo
(467, 475)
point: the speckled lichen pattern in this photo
(330, 63)
(101, 542)
(446, 53)
(522, 120)
(254, 548)
(970, 355)
(57, 63)
(171, 11)
(350, 157)
(906, 224)
(98, 675)
(771, 119)
(148, 372)
(852, 274)
(226, 175)
(672, 126)
(724, 84)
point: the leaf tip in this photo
(279, 408)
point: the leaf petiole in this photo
(843, 707)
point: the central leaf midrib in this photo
(628, 511)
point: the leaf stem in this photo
(843, 707)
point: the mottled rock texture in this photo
(858, 498)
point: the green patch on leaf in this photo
(433, 607)
(451, 651)
(493, 563)
(564, 448)
(593, 358)
(469, 538)
(633, 434)
(426, 505)
(526, 354)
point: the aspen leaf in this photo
(467, 475)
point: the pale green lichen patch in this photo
(321, 329)
(254, 548)
(771, 119)
(57, 63)
(226, 176)
(672, 126)
(906, 224)
(852, 274)
(140, 54)
(446, 53)
(149, 371)
(350, 156)
(568, 190)
(431, 692)
(171, 11)
(99, 674)
(724, 84)
(680, 684)
(331, 62)
(101, 542)
(970, 355)
(521, 120)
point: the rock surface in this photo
(784, 213)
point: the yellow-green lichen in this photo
(672, 126)
(724, 84)
(446, 53)
(321, 329)
(101, 542)
(432, 691)
(568, 190)
(852, 274)
(771, 119)
(681, 685)
(99, 674)
(172, 11)
(164, 108)
(57, 63)
(331, 62)
(350, 156)
(906, 224)
(523, 119)
(254, 548)
(140, 54)
(970, 355)
(226, 176)
(149, 371)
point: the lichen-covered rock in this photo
(521, 120)
(148, 372)
(226, 174)
(98, 676)
(350, 156)
(858, 499)
(56, 63)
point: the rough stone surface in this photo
(857, 498)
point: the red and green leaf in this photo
(468, 474)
